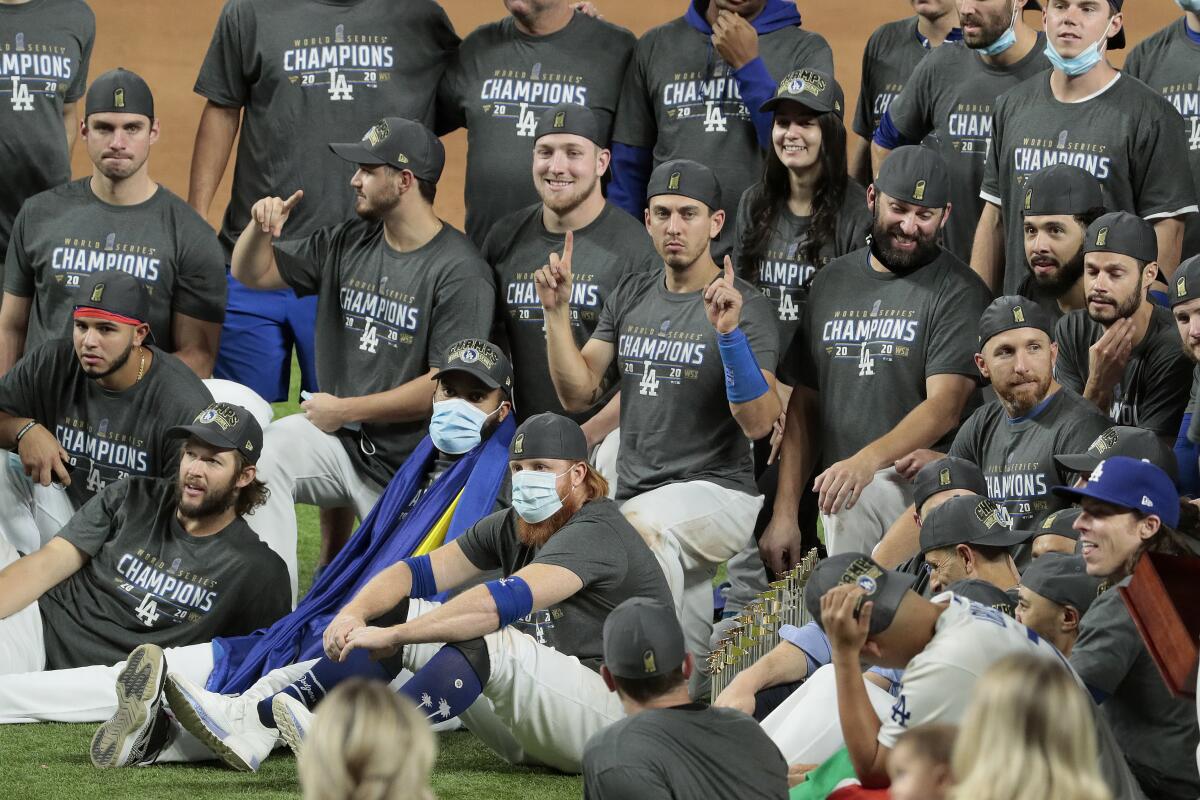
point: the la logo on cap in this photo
(919, 191)
(1102, 237)
(519, 444)
(560, 119)
(673, 181)
(97, 292)
(119, 98)
(1018, 314)
(1180, 287)
(648, 662)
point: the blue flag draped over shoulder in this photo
(380, 541)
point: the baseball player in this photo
(395, 287)
(1055, 593)
(696, 350)
(53, 44)
(1184, 292)
(1082, 112)
(1166, 62)
(568, 557)
(887, 331)
(118, 218)
(505, 77)
(667, 746)
(1131, 507)
(950, 95)
(693, 90)
(892, 53)
(85, 412)
(284, 79)
(1123, 353)
(970, 537)
(166, 560)
(1059, 204)
(569, 158)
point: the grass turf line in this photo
(50, 761)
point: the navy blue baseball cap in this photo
(1130, 483)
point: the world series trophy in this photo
(756, 629)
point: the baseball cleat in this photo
(292, 718)
(228, 725)
(140, 727)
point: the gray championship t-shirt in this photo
(869, 340)
(950, 95)
(784, 274)
(691, 751)
(1153, 390)
(891, 55)
(1127, 136)
(45, 47)
(599, 546)
(1157, 731)
(108, 435)
(65, 234)
(384, 318)
(308, 72)
(681, 99)
(673, 385)
(1017, 455)
(150, 581)
(499, 86)
(612, 246)
(1169, 63)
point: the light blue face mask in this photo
(1189, 5)
(1072, 67)
(1006, 40)
(456, 426)
(535, 496)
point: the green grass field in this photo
(51, 761)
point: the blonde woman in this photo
(1028, 734)
(367, 743)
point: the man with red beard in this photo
(149, 560)
(1123, 352)
(529, 643)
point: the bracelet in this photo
(28, 426)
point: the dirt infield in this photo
(165, 41)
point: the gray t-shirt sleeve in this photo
(964, 444)
(301, 261)
(759, 324)
(18, 271)
(479, 543)
(451, 113)
(606, 326)
(635, 124)
(954, 333)
(1108, 644)
(911, 110)
(92, 525)
(200, 288)
(864, 117)
(465, 304)
(586, 549)
(990, 188)
(620, 782)
(20, 394)
(223, 73)
(1160, 186)
(1159, 408)
(79, 85)
(1068, 369)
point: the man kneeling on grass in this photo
(529, 643)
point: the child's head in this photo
(919, 766)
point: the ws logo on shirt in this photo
(663, 355)
(868, 336)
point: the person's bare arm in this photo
(779, 546)
(196, 342)
(253, 259)
(210, 155)
(28, 578)
(879, 154)
(604, 422)
(14, 324)
(901, 542)
(70, 117)
(409, 402)
(987, 254)
(945, 396)
(1169, 232)
(785, 663)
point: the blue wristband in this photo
(744, 381)
(514, 599)
(423, 582)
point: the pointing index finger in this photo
(568, 248)
(729, 269)
(291, 201)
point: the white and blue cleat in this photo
(229, 726)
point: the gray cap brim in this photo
(355, 153)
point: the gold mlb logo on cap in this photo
(378, 133)
(119, 98)
(1180, 287)
(648, 662)
(1102, 236)
(560, 119)
(919, 191)
(1018, 314)
(673, 181)
(403, 159)
(1028, 198)
(944, 476)
(519, 444)
(97, 292)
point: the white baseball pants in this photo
(859, 529)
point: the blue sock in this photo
(313, 685)
(446, 686)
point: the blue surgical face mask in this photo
(535, 495)
(456, 426)
(1072, 67)
(1006, 40)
